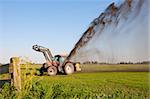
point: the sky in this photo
(55, 24)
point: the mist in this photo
(119, 34)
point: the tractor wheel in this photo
(69, 68)
(52, 70)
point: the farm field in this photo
(101, 67)
(107, 38)
(85, 84)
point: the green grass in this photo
(100, 85)
(114, 67)
(91, 85)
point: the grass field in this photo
(85, 84)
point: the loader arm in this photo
(46, 52)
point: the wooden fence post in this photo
(14, 70)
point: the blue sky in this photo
(56, 24)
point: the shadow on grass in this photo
(2, 82)
(4, 69)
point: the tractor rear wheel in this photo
(69, 68)
(52, 70)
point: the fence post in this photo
(14, 70)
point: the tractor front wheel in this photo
(52, 70)
(69, 68)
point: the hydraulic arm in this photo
(46, 52)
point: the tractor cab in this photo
(59, 59)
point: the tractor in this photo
(56, 64)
